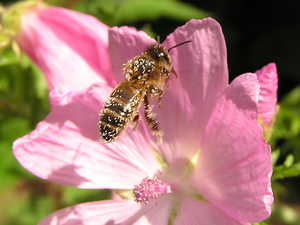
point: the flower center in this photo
(150, 188)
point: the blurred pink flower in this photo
(69, 47)
(267, 105)
(214, 166)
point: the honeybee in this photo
(145, 76)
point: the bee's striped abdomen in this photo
(120, 108)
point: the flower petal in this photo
(234, 167)
(111, 212)
(70, 48)
(268, 79)
(203, 213)
(65, 147)
(103, 212)
(188, 101)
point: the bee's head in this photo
(160, 55)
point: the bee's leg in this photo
(159, 101)
(150, 117)
(173, 71)
(136, 121)
(157, 92)
(151, 120)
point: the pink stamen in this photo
(150, 188)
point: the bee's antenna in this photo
(182, 43)
(158, 39)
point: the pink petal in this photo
(104, 212)
(70, 48)
(202, 76)
(268, 79)
(111, 212)
(65, 147)
(234, 167)
(203, 213)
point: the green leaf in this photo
(73, 195)
(133, 10)
(10, 130)
(116, 12)
(275, 156)
(292, 98)
(8, 57)
(286, 130)
(285, 214)
(289, 160)
(261, 223)
(284, 171)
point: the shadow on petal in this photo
(69, 174)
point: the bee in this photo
(145, 76)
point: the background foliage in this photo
(257, 32)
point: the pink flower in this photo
(267, 108)
(214, 165)
(69, 47)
